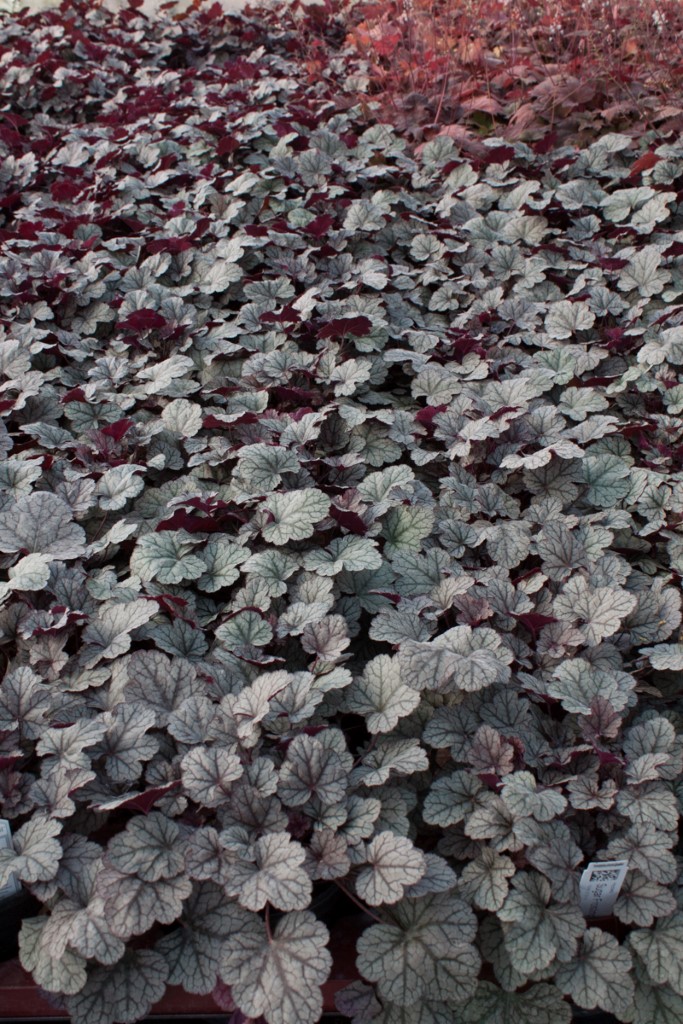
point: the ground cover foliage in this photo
(340, 530)
(521, 68)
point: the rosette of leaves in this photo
(340, 516)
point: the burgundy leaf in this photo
(117, 430)
(65, 191)
(499, 413)
(319, 226)
(143, 320)
(389, 594)
(426, 416)
(168, 603)
(298, 414)
(533, 621)
(644, 163)
(491, 780)
(606, 757)
(172, 245)
(463, 343)
(351, 521)
(546, 144)
(74, 395)
(222, 997)
(182, 520)
(296, 395)
(143, 802)
(287, 316)
(358, 326)
(227, 145)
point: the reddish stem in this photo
(354, 899)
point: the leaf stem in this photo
(99, 529)
(267, 922)
(354, 899)
(370, 747)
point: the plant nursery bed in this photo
(341, 547)
(21, 998)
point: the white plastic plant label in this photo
(600, 885)
(12, 885)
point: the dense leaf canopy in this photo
(340, 508)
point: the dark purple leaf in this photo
(117, 430)
(358, 326)
(320, 226)
(143, 320)
(534, 621)
(222, 997)
(351, 521)
(143, 802)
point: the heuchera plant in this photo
(340, 534)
